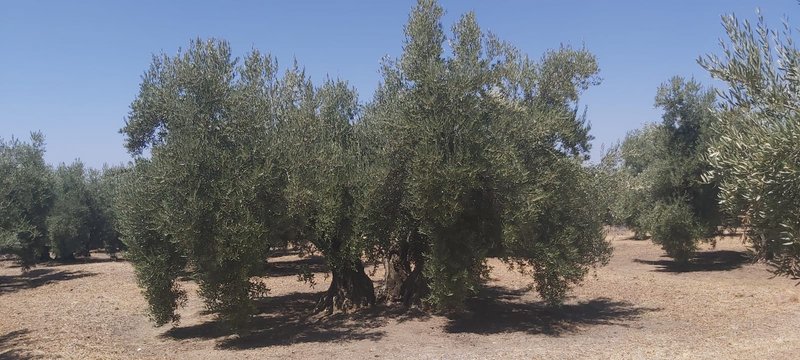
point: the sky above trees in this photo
(71, 70)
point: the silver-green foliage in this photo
(66, 210)
(626, 174)
(207, 197)
(320, 155)
(755, 154)
(156, 256)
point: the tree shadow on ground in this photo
(38, 277)
(68, 262)
(289, 319)
(81, 260)
(718, 260)
(499, 310)
(283, 251)
(624, 233)
(12, 346)
(314, 264)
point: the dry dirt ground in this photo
(638, 307)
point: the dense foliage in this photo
(102, 187)
(469, 149)
(154, 253)
(455, 158)
(754, 153)
(321, 157)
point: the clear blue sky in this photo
(71, 68)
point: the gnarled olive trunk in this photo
(350, 288)
(44, 254)
(402, 282)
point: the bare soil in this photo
(640, 306)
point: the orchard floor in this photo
(638, 307)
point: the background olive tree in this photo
(69, 221)
(660, 189)
(26, 196)
(66, 210)
(103, 187)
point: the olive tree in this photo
(103, 188)
(477, 151)
(625, 169)
(242, 160)
(209, 194)
(320, 154)
(754, 153)
(663, 192)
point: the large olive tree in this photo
(242, 160)
(475, 151)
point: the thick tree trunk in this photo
(44, 254)
(397, 271)
(402, 283)
(350, 288)
(67, 258)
